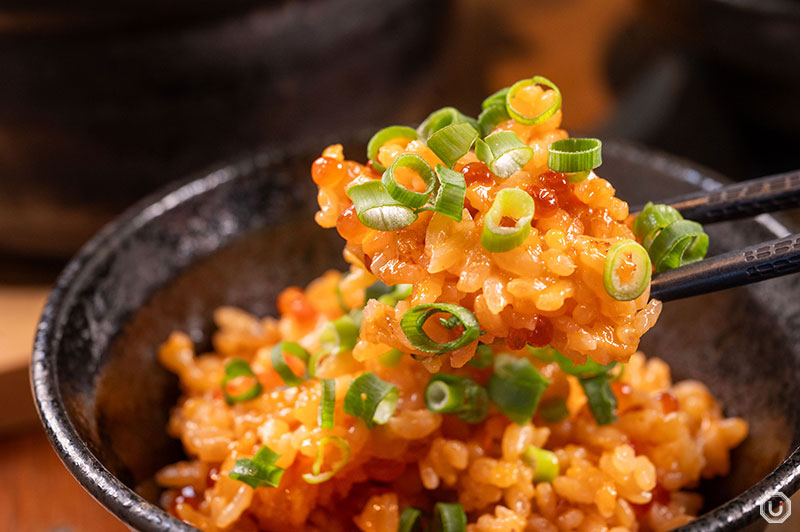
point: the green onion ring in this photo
(282, 368)
(682, 242)
(491, 117)
(452, 142)
(451, 394)
(382, 137)
(496, 98)
(239, 368)
(407, 197)
(449, 517)
(640, 279)
(327, 403)
(513, 203)
(554, 409)
(416, 316)
(449, 196)
(541, 117)
(339, 335)
(315, 477)
(441, 118)
(516, 387)
(503, 152)
(543, 462)
(259, 470)
(575, 155)
(587, 369)
(377, 210)
(601, 400)
(371, 399)
(652, 219)
(391, 358)
(410, 520)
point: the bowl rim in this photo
(132, 509)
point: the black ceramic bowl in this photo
(241, 233)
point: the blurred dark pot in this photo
(752, 46)
(99, 107)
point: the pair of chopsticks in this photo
(752, 264)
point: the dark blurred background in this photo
(103, 102)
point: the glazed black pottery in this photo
(240, 234)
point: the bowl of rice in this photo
(484, 356)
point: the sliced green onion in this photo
(491, 117)
(512, 203)
(377, 210)
(327, 403)
(316, 358)
(451, 394)
(652, 219)
(410, 520)
(399, 292)
(282, 368)
(497, 98)
(577, 177)
(503, 153)
(442, 118)
(391, 358)
(448, 199)
(543, 462)
(541, 117)
(627, 254)
(407, 197)
(452, 142)
(382, 137)
(376, 290)
(449, 323)
(371, 399)
(259, 470)
(416, 316)
(483, 358)
(682, 242)
(516, 387)
(554, 409)
(239, 368)
(575, 155)
(316, 477)
(339, 335)
(588, 369)
(449, 517)
(602, 402)
(543, 354)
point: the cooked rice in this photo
(631, 475)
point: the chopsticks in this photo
(752, 264)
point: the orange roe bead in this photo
(349, 226)
(542, 334)
(546, 201)
(479, 173)
(669, 403)
(327, 171)
(293, 302)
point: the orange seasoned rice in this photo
(635, 474)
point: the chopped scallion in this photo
(451, 394)
(681, 242)
(484, 355)
(453, 142)
(503, 153)
(282, 368)
(382, 137)
(587, 369)
(391, 358)
(378, 210)
(602, 402)
(316, 477)
(491, 117)
(653, 218)
(554, 409)
(543, 462)
(627, 271)
(416, 316)
(442, 118)
(410, 520)
(233, 370)
(516, 387)
(519, 116)
(339, 335)
(449, 517)
(510, 203)
(259, 470)
(371, 399)
(497, 98)
(327, 403)
(448, 199)
(398, 192)
(575, 155)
